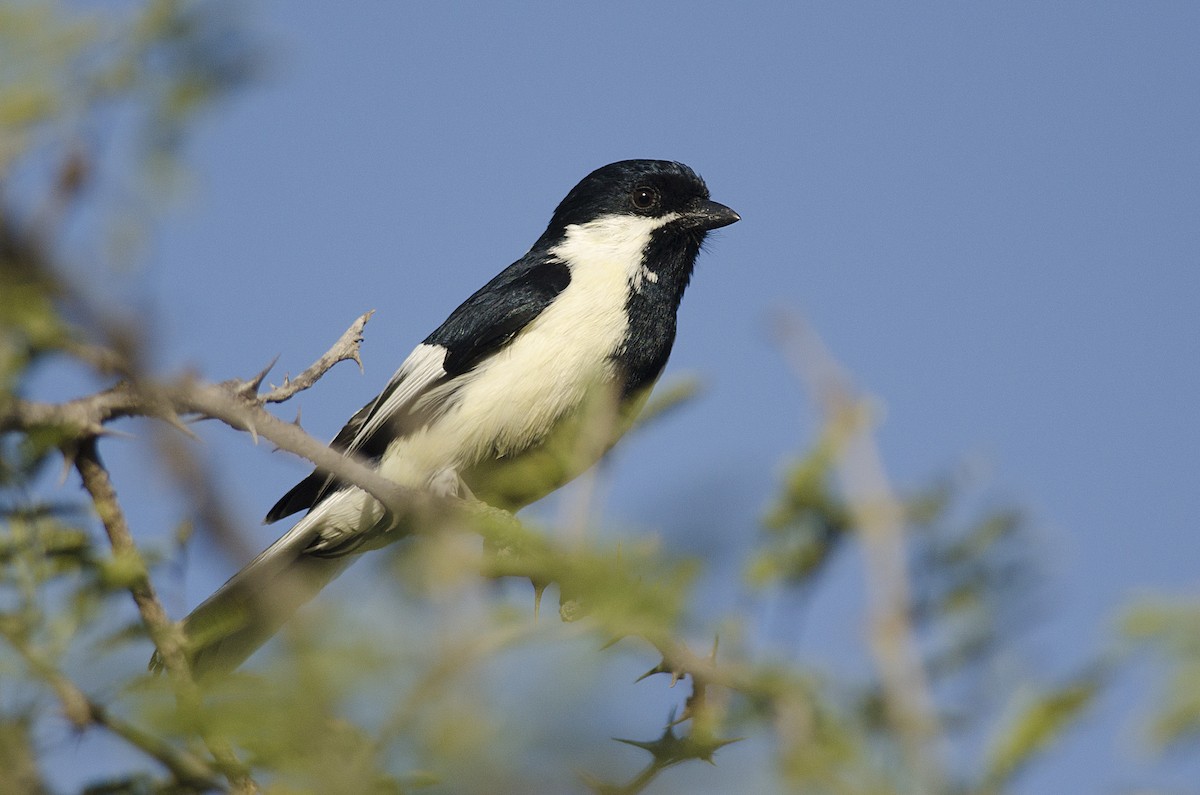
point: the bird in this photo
(526, 384)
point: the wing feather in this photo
(480, 327)
(362, 435)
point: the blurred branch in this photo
(879, 517)
(19, 757)
(188, 769)
(167, 636)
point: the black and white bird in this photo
(527, 384)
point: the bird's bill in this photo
(711, 215)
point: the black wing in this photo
(486, 321)
(478, 328)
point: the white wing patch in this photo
(420, 370)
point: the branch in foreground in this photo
(188, 769)
(878, 514)
(167, 636)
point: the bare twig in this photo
(85, 416)
(345, 349)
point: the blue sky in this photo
(990, 212)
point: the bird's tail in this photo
(247, 610)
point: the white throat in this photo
(612, 244)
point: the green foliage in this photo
(30, 323)
(1170, 631)
(628, 590)
(37, 44)
(1039, 720)
(18, 755)
(805, 526)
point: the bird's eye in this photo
(644, 197)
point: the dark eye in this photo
(644, 197)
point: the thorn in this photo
(538, 590)
(251, 387)
(176, 422)
(684, 717)
(645, 746)
(670, 749)
(276, 448)
(108, 433)
(68, 466)
(661, 668)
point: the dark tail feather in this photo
(300, 497)
(247, 610)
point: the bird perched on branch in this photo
(527, 384)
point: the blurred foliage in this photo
(1038, 720)
(419, 695)
(805, 526)
(1169, 630)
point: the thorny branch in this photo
(239, 404)
(345, 349)
(236, 403)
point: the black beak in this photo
(708, 215)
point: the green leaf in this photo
(1042, 720)
(1171, 629)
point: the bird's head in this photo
(665, 194)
